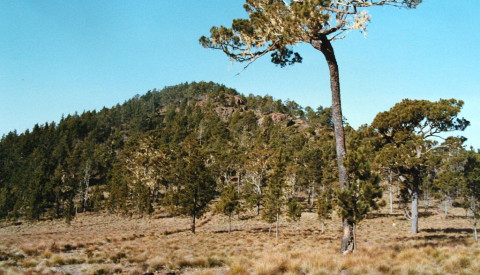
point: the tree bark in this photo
(193, 224)
(475, 235)
(473, 207)
(415, 210)
(276, 227)
(391, 198)
(324, 45)
(446, 207)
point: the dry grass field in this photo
(106, 244)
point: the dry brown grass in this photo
(104, 244)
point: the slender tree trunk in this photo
(391, 198)
(324, 45)
(276, 227)
(446, 207)
(415, 210)
(313, 194)
(309, 195)
(238, 182)
(427, 204)
(473, 207)
(193, 224)
(475, 235)
(399, 204)
(259, 192)
(229, 223)
(354, 237)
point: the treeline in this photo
(181, 149)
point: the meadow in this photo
(158, 244)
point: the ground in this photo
(107, 244)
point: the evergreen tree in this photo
(229, 203)
(325, 206)
(471, 187)
(409, 132)
(273, 27)
(195, 182)
(274, 197)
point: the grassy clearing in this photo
(105, 244)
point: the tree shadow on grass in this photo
(448, 230)
(438, 237)
(384, 215)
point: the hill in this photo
(92, 161)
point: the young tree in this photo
(229, 203)
(410, 132)
(258, 164)
(196, 184)
(471, 187)
(274, 26)
(325, 206)
(274, 197)
(449, 177)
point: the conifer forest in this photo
(198, 178)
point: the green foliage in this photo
(471, 182)
(229, 201)
(364, 192)
(195, 181)
(409, 133)
(159, 149)
(118, 189)
(325, 205)
(274, 197)
(294, 209)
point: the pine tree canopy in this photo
(275, 26)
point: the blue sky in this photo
(58, 57)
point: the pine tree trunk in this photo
(354, 237)
(475, 235)
(238, 182)
(427, 204)
(348, 242)
(399, 204)
(415, 210)
(309, 193)
(276, 227)
(473, 207)
(324, 45)
(193, 224)
(313, 194)
(391, 198)
(446, 207)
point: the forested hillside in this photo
(133, 157)
(199, 147)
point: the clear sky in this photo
(58, 57)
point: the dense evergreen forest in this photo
(200, 146)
